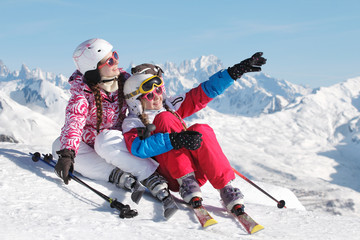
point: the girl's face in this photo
(154, 104)
(109, 71)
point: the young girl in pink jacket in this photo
(91, 140)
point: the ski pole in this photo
(125, 211)
(280, 204)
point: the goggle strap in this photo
(132, 94)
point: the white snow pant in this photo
(109, 152)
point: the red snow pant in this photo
(208, 162)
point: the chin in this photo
(158, 107)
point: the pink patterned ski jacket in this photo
(80, 117)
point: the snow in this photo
(305, 152)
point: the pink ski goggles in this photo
(111, 60)
(151, 95)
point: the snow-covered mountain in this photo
(32, 103)
(276, 133)
(252, 95)
(40, 91)
(25, 74)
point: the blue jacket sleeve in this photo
(217, 83)
(154, 145)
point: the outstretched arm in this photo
(221, 80)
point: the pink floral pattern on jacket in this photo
(80, 116)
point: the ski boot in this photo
(196, 202)
(159, 189)
(127, 181)
(190, 190)
(233, 199)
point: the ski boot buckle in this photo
(238, 209)
(196, 202)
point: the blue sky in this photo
(314, 43)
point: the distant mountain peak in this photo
(252, 95)
(4, 71)
(25, 72)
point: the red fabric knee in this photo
(208, 162)
(211, 159)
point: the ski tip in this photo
(170, 212)
(256, 228)
(209, 222)
(135, 197)
(137, 194)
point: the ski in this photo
(137, 192)
(204, 216)
(169, 206)
(249, 224)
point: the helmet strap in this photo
(110, 86)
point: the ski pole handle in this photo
(125, 210)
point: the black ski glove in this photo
(252, 64)
(145, 132)
(187, 139)
(65, 164)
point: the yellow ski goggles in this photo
(148, 85)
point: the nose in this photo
(157, 97)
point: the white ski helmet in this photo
(89, 53)
(132, 90)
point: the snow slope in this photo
(303, 149)
(35, 204)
